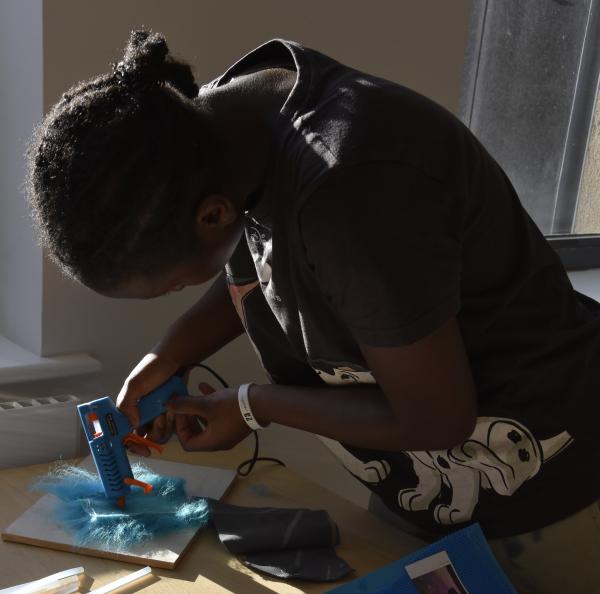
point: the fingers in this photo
(190, 405)
(206, 388)
(157, 429)
(148, 374)
(161, 428)
(191, 434)
(210, 421)
(140, 450)
(187, 427)
(127, 404)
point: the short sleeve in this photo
(383, 243)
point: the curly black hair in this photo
(118, 166)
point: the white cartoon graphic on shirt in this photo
(500, 455)
(342, 373)
(373, 471)
(262, 263)
(260, 244)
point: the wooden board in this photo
(37, 526)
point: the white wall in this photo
(21, 104)
(420, 44)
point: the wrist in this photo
(246, 395)
(246, 409)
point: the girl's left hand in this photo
(219, 413)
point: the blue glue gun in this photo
(108, 431)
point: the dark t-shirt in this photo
(382, 217)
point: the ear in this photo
(215, 211)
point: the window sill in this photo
(19, 365)
(577, 252)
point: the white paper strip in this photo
(128, 579)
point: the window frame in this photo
(577, 251)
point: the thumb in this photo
(186, 405)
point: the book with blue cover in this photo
(461, 563)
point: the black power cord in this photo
(250, 463)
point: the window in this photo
(530, 94)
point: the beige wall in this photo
(419, 43)
(21, 69)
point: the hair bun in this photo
(146, 63)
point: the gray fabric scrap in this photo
(285, 543)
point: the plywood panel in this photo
(37, 526)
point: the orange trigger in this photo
(134, 438)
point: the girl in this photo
(405, 306)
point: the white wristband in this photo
(245, 409)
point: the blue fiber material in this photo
(84, 511)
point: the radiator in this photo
(39, 430)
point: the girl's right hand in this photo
(152, 371)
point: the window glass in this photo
(529, 92)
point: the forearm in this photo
(356, 415)
(206, 327)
